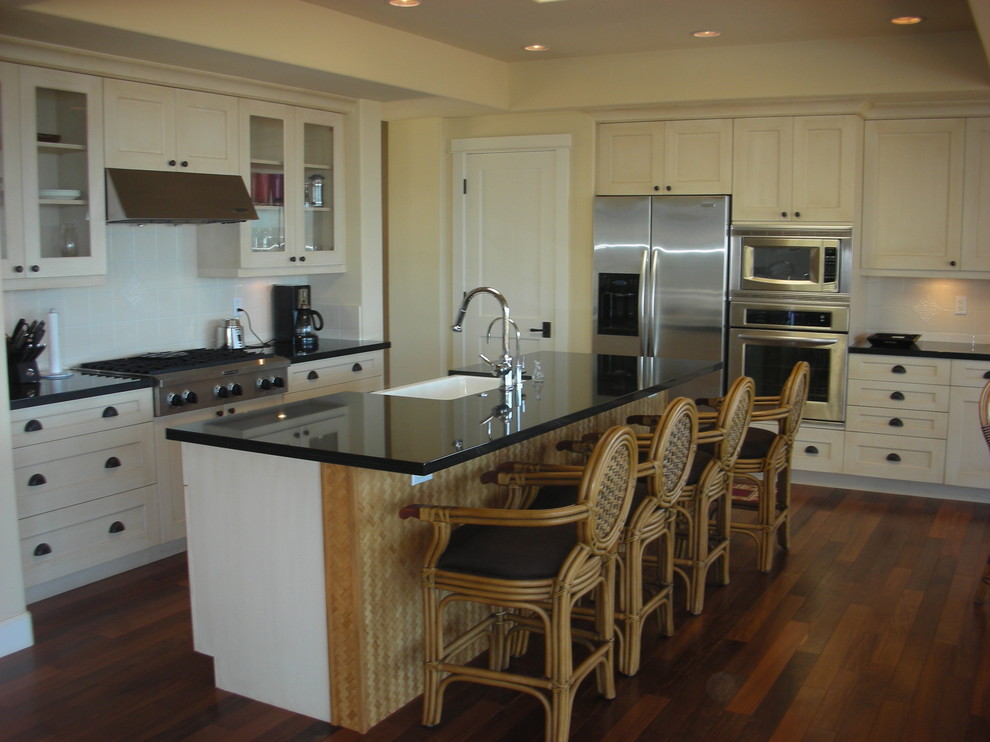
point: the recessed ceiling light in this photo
(706, 34)
(404, 3)
(906, 20)
(536, 48)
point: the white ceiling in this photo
(579, 28)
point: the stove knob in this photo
(278, 382)
(221, 392)
(175, 400)
(190, 396)
(235, 389)
(265, 384)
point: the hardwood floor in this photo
(866, 630)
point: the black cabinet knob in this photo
(783, 214)
(112, 463)
(895, 422)
(116, 527)
(797, 214)
(811, 450)
(670, 188)
(898, 369)
(952, 263)
(897, 396)
(986, 375)
(33, 426)
(656, 188)
(893, 457)
(18, 269)
(110, 411)
(37, 480)
(42, 549)
(35, 268)
(184, 163)
(312, 376)
(302, 259)
(171, 163)
(357, 367)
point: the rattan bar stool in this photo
(765, 463)
(984, 587)
(646, 548)
(539, 564)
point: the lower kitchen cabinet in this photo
(818, 449)
(85, 482)
(967, 463)
(362, 372)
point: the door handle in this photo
(788, 340)
(545, 330)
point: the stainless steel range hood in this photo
(165, 197)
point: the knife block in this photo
(23, 372)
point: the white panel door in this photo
(510, 234)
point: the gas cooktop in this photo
(150, 364)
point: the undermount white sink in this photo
(445, 387)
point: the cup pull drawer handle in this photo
(37, 480)
(312, 376)
(895, 422)
(897, 396)
(357, 367)
(110, 411)
(986, 374)
(112, 463)
(898, 369)
(893, 457)
(42, 549)
(811, 450)
(33, 426)
(116, 527)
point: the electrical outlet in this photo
(238, 305)
(961, 305)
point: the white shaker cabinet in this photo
(974, 253)
(913, 196)
(292, 160)
(967, 461)
(665, 157)
(54, 225)
(803, 168)
(153, 127)
(360, 372)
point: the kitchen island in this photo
(304, 581)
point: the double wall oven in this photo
(789, 302)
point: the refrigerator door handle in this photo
(645, 303)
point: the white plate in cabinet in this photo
(914, 370)
(897, 396)
(886, 421)
(818, 449)
(71, 539)
(894, 457)
(80, 417)
(67, 472)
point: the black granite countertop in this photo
(421, 436)
(329, 347)
(929, 349)
(77, 386)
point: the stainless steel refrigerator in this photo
(660, 270)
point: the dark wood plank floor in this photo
(866, 630)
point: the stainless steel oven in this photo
(769, 334)
(792, 258)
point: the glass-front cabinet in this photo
(61, 211)
(293, 167)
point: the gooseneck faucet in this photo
(503, 366)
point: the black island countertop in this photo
(929, 349)
(422, 436)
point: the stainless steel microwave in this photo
(790, 258)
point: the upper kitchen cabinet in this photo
(54, 212)
(656, 157)
(152, 127)
(926, 196)
(292, 160)
(803, 168)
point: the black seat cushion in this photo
(756, 444)
(701, 458)
(509, 552)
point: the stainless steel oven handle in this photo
(785, 340)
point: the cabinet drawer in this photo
(894, 457)
(66, 472)
(80, 417)
(818, 449)
(885, 420)
(319, 374)
(71, 539)
(970, 373)
(898, 396)
(908, 369)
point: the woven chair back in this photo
(733, 417)
(794, 395)
(985, 412)
(673, 445)
(606, 488)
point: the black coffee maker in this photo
(295, 321)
